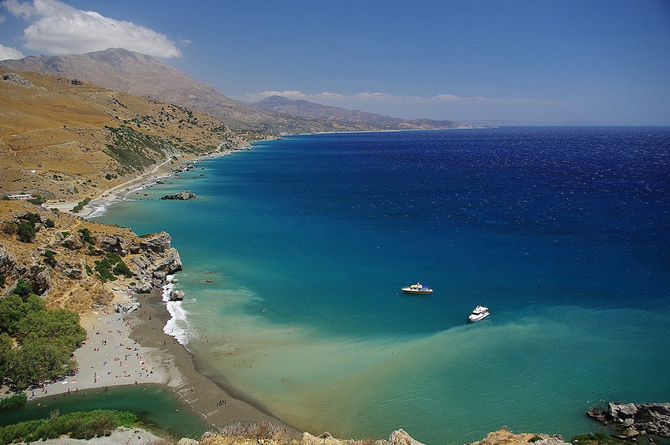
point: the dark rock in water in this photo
(176, 295)
(183, 196)
(631, 420)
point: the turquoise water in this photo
(294, 253)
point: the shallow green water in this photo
(154, 405)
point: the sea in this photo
(295, 251)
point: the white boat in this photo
(480, 313)
(417, 289)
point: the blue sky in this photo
(492, 61)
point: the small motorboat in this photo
(480, 313)
(417, 289)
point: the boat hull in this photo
(417, 292)
(476, 318)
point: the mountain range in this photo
(142, 75)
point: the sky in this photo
(603, 62)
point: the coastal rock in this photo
(400, 437)
(157, 242)
(124, 307)
(631, 420)
(176, 295)
(183, 196)
(111, 243)
(505, 437)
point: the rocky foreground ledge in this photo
(631, 420)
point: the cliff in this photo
(77, 264)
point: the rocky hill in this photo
(76, 264)
(345, 118)
(66, 139)
(139, 74)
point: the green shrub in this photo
(26, 231)
(79, 425)
(49, 223)
(86, 236)
(23, 288)
(109, 267)
(13, 402)
(49, 258)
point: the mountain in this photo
(65, 139)
(142, 75)
(345, 117)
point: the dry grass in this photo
(54, 136)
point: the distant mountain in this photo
(142, 75)
(345, 117)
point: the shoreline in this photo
(137, 342)
(147, 355)
(119, 192)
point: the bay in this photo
(294, 253)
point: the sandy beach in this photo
(132, 349)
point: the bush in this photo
(23, 288)
(26, 231)
(49, 258)
(13, 402)
(111, 266)
(49, 223)
(86, 236)
(78, 425)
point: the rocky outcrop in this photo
(7, 261)
(155, 259)
(631, 420)
(183, 196)
(176, 295)
(124, 307)
(72, 262)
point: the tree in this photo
(59, 326)
(6, 345)
(23, 288)
(39, 361)
(13, 309)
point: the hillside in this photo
(61, 259)
(139, 74)
(67, 140)
(344, 117)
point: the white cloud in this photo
(58, 28)
(10, 53)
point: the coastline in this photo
(133, 349)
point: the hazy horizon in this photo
(535, 63)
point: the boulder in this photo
(123, 307)
(400, 437)
(176, 295)
(111, 243)
(7, 261)
(72, 242)
(183, 196)
(631, 420)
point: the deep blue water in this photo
(295, 251)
